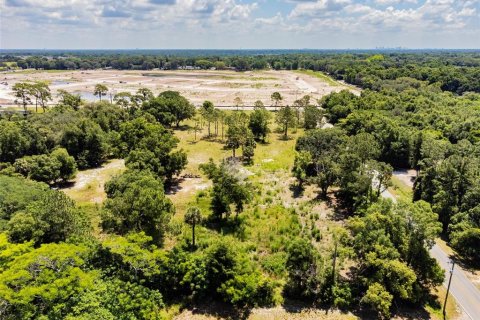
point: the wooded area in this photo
(242, 242)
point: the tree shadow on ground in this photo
(64, 184)
(219, 310)
(470, 265)
(292, 306)
(411, 312)
(296, 189)
(174, 186)
(339, 213)
(212, 138)
(404, 313)
(296, 306)
(233, 224)
(398, 311)
(283, 138)
(262, 143)
(183, 127)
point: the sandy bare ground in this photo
(89, 184)
(276, 313)
(188, 186)
(406, 176)
(220, 87)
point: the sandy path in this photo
(406, 176)
(89, 184)
(303, 85)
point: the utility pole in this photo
(448, 289)
(334, 262)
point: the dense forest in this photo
(128, 258)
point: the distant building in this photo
(188, 68)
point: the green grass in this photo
(91, 191)
(400, 190)
(277, 154)
(9, 64)
(262, 78)
(268, 223)
(436, 310)
(90, 196)
(32, 71)
(257, 85)
(320, 75)
(274, 158)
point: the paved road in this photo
(464, 291)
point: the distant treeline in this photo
(455, 71)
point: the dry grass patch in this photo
(400, 190)
(436, 312)
(88, 185)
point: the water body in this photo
(59, 82)
(88, 96)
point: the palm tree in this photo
(193, 217)
(100, 90)
(22, 92)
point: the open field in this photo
(271, 170)
(89, 184)
(220, 87)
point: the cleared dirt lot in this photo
(220, 87)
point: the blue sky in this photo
(234, 24)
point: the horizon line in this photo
(241, 49)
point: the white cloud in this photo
(392, 2)
(148, 12)
(154, 23)
(431, 16)
(320, 7)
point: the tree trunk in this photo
(324, 191)
(193, 235)
(233, 152)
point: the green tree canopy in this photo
(169, 108)
(52, 218)
(136, 202)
